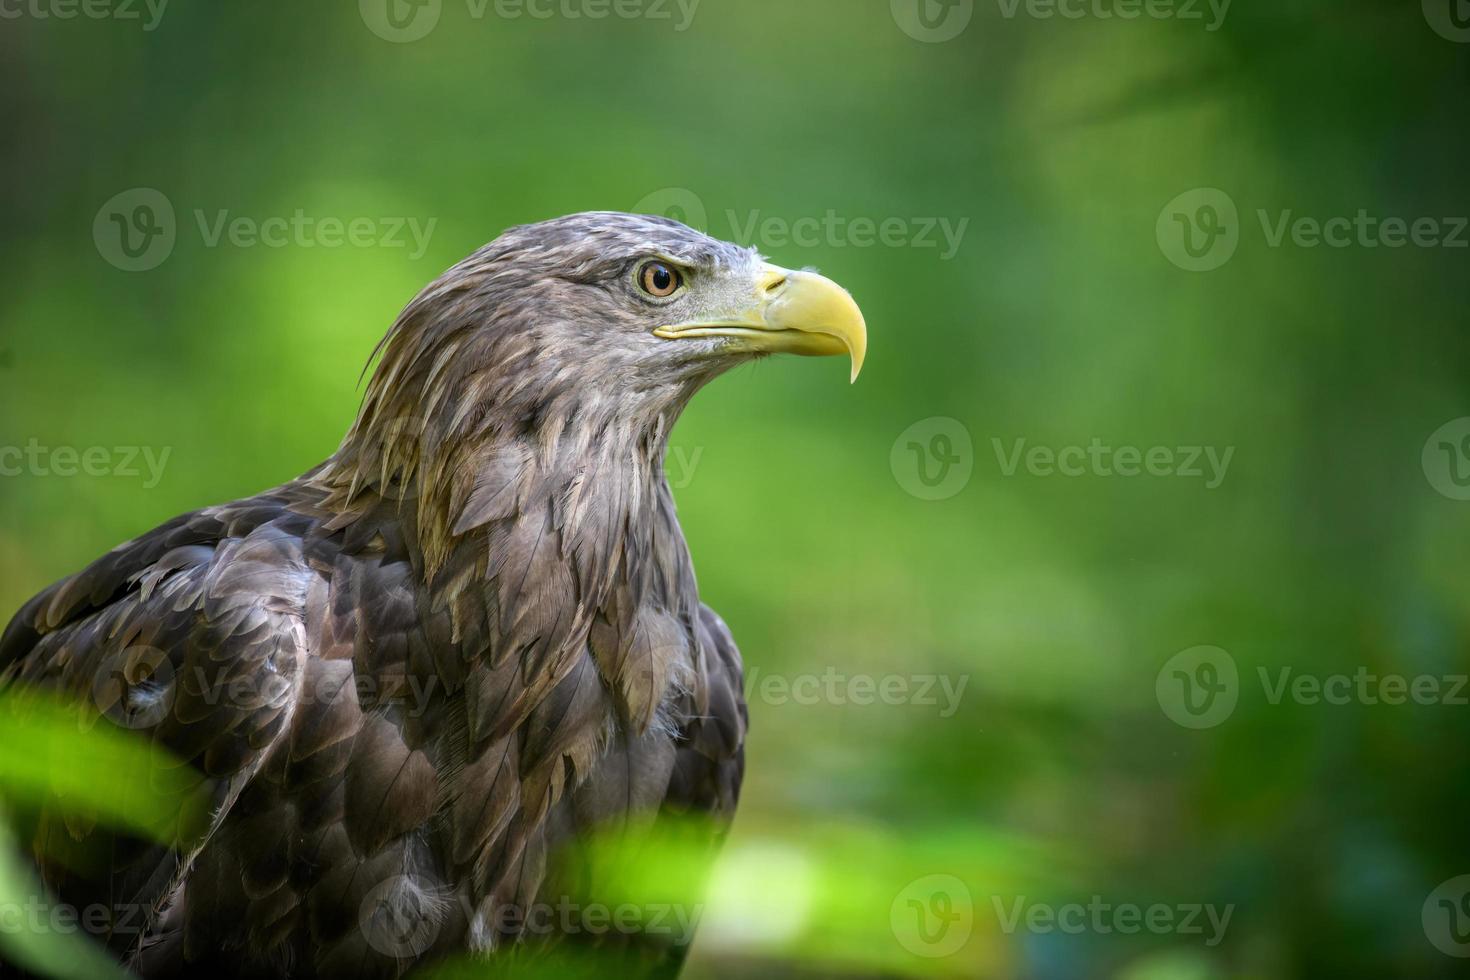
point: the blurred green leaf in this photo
(52, 953)
(57, 756)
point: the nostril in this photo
(776, 285)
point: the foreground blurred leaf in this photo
(58, 757)
(53, 953)
(830, 897)
(51, 759)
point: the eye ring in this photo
(659, 279)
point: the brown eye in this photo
(659, 279)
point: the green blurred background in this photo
(1052, 147)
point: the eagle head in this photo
(582, 337)
(643, 301)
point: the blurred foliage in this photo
(1058, 320)
(48, 953)
(86, 765)
(60, 759)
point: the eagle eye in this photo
(659, 279)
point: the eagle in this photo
(409, 678)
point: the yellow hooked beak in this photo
(792, 313)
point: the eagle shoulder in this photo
(193, 636)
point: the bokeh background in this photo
(960, 706)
